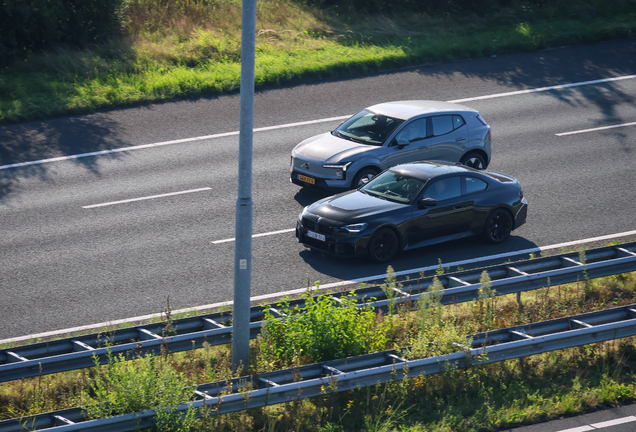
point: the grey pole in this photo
(243, 243)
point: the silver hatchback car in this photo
(389, 134)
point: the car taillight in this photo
(520, 193)
(490, 135)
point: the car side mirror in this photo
(426, 202)
(402, 142)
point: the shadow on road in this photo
(446, 253)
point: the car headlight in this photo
(354, 228)
(302, 213)
(340, 167)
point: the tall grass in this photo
(189, 48)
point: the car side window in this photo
(458, 121)
(414, 131)
(444, 189)
(475, 185)
(446, 123)
(442, 124)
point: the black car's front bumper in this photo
(522, 214)
(335, 242)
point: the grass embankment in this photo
(483, 398)
(179, 48)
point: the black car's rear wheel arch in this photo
(498, 226)
(475, 160)
(384, 245)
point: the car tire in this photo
(367, 173)
(498, 226)
(384, 246)
(474, 160)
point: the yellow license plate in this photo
(306, 179)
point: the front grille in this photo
(318, 244)
(321, 228)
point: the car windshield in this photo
(367, 127)
(393, 186)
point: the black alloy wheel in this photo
(383, 246)
(498, 226)
(474, 160)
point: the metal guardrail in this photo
(357, 372)
(215, 329)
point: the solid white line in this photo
(596, 129)
(614, 422)
(578, 429)
(288, 125)
(542, 89)
(146, 198)
(164, 143)
(256, 235)
(302, 290)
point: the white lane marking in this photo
(578, 429)
(542, 89)
(601, 425)
(146, 198)
(62, 333)
(614, 422)
(164, 143)
(288, 125)
(256, 235)
(596, 129)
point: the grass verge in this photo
(195, 51)
(484, 398)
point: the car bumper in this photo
(319, 183)
(335, 243)
(522, 213)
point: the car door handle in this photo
(458, 207)
(460, 139)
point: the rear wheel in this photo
(474, 160)
(364, 174)
(498, 226)
(383, 246)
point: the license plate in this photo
(315, 235)
(306, 179)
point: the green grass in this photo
(481, 398)
(179, 56)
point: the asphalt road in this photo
(66, 263)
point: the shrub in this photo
(321, 330)
(31, 26)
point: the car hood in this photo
(329, 148)
(352, 206)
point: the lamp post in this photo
(243, 242)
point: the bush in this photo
(31, 26)
(321, 330)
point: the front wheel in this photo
(362, 177)
(498, 226)
(383, 246)
(474, 160)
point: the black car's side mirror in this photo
(402, 142)
(426, 202)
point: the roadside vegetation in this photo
(164, 49)
(480, 398)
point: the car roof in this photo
(427, 170)
(407, 109)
